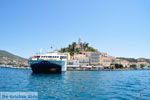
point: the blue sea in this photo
(79, 85)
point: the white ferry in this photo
(51, 62)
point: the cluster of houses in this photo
(99, 59)
(85, 59)
(102, 60)
(107, 61)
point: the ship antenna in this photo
(41, 50)
(51, 48)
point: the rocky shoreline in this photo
(15, 67)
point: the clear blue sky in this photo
(119, 27)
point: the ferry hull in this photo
(47, 66)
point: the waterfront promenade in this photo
(77, 68)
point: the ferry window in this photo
(62, 57)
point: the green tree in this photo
(91, 49)
(85, 45)
(142, 65)
(72, 48)
(77, 51)
(118, 66)
(112, 64)
(133, 66)
(126, 66)
(71, 53)
(74, 45)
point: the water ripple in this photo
(78, 85)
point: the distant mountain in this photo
(135, 60)
(11, 59)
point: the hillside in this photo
(11, 59)
(77, 48)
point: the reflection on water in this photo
(78, 85)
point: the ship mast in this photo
(40, 51)
(51, 48)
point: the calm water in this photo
(78, 85)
